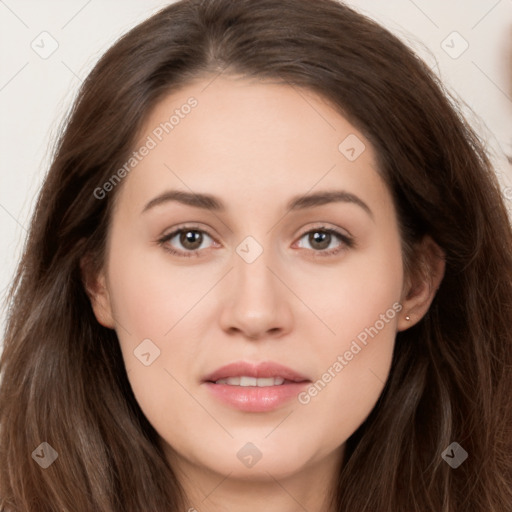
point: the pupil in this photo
(321, 238)
(189, 238)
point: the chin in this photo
(256, 460)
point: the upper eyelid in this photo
(322, 227)
(177, 230)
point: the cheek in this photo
(153, 304)
(360, 304)
(149, 296)
(353, 296)
(149, 308)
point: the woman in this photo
(270, 266)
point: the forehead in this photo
(250, 140)
(237, 110)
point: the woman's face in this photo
(290, 269)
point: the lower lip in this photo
(256, 399)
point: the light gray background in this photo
(36, 92)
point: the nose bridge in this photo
(252, 275)
(257, 303)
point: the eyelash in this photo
(347, 241)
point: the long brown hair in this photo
(63, 378)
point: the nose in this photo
(257, 304)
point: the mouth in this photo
(246, 381)
(251, 387)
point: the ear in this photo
(421, 286)
(95, 286)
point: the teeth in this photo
(261, 383)
(248, 381)
(251, 381)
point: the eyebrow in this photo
(212, 203)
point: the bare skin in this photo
(255, 146)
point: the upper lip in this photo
(259, 370)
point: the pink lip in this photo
(254, 398)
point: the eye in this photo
(191, 240)
(321, 239)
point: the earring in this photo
(407, 317)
